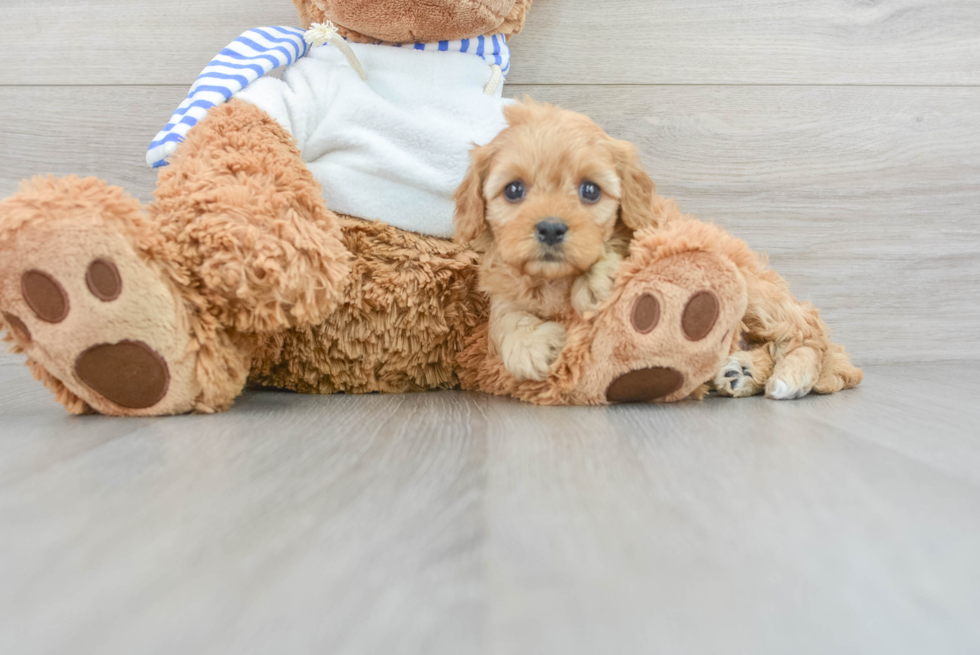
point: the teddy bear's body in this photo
(410, 305)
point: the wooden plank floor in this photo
(456, 523)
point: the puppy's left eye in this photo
(514, 192)
(589, 192)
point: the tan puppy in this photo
(552, 202)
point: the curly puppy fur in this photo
(551, 151)
(534, 280)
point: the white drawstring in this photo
(321, 33)
(495, 79)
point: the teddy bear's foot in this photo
(98, 320)
(670, 330)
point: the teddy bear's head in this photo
(416, 21)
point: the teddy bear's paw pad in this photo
(45, 296)
(700, 315)
(103, 280)
(646, 313)
(129, 373)
(644, 385)
(18, 328)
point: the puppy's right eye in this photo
(514, 191)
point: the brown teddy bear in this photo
(240, 272)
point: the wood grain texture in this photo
(926, 42)
(457, 523)
(370, 528)
(866, 198)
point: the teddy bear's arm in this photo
(249, 57)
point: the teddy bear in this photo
(299, 238)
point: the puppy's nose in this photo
(551, 232)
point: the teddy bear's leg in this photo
(130, 314)
(672, 319)
(250, 223)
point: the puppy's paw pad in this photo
(734, 379)
(644, 385)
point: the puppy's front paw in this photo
(529, 354)
(794, 376)
(595, 285)
(790, 388)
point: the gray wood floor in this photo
(455, 523)
(841, 137)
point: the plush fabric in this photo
(411, 304)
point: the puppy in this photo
(553, 201)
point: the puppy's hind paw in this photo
(529, 356)
(738, 377)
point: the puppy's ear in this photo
(636, 204)
(470, 220)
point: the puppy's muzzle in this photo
(551, 231)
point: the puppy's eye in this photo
(590, 192)
(514, 191)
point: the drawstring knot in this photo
(322, 33)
